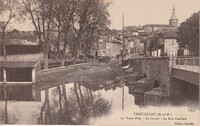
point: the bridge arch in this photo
(156, 84)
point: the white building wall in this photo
(186, 52)
(131, 44)
(135, 33)
(170, 47)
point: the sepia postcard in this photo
(100, 62)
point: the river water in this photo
(84, 103)
(109, 103)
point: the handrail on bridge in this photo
(186, 63)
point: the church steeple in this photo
(173, 21)
(173, 11)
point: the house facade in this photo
(170, 44)
(161, 40)
(134, 40)
(164, 44)
(110, 46)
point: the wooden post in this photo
(36, 93)
(33, 75)
(5, 96)
(123, 99)
(4, 75)
(193, 63)
(185, 62)
(123, 42)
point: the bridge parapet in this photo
(155, 68)
(186, 63)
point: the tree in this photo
(99, 22)
(1, 6)
(70, 18)
(8, 11)
(64, 13)
(188, 34)
(40, 12)
(89, 15)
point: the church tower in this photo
(173, 21)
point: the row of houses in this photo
(107, 44)
(23, 52)
(154, 39)
(150, 40)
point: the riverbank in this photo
(90, 73)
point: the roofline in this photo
(155, 25)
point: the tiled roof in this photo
(23, 35)
(170, 34)
(117, 42)
(134, 56)
(17, 64)
(16, 37)
(143, 34)
(156, 25)
(132, 38)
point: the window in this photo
(172, 42)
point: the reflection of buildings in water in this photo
(106, 85)
(139, 96)
(77, 104)
(158, 97)
(17, 92)
(65, 104)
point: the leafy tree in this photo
(8, 11)
(71, 19)
(188, 34)
(40, 12)
(98, 23)
(64, 12)
(89, 15)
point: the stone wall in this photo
(155, 69)
(182, 92)
(159, 68)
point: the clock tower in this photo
(173, 21)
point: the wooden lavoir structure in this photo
(19, 78)
(13, 72)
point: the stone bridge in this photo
(186, 69)
(168, 71)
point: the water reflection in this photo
(16, 92)
(103, 85)
(139, 96)
(72, 104)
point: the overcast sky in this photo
(141, 12)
